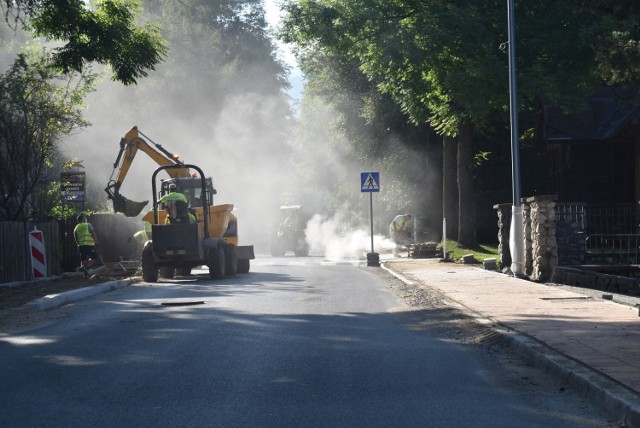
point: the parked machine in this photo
(177, 247)
(289, 235)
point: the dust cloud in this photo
(247, 141)
(327, 236)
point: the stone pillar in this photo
(526, 236)
(504, 223)
(544, 248)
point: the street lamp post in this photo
(516, 242)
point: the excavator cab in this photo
(191, 188)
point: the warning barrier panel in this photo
(38, 254)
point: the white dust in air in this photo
(326, 236)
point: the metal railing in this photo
(598, 234)
(614, 249)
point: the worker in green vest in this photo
(173, 195)
(87, 240)
(177, 207)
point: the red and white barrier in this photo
(38, 254)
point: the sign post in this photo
(370, 183)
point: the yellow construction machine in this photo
(177, 247)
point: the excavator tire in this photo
(230, 260)
(243, 265)
(215, 261)
(149, 268)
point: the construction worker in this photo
(147, 230)
(141, 237)
(399, 232)
(177, 206)
(87, 240)
(173, 195)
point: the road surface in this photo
(297, 342)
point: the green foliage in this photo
(105, 33)
(455, 251)
(224, 43)
(445, 62)
(348, 125)
(480, 157)
(617, 42)
(38, 107)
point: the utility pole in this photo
(516, 243)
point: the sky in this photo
(272, 15)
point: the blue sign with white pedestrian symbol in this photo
(369, 181)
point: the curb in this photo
(614, 399)
(56, 300)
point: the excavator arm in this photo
(130, 144)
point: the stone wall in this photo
(540, 246)
(543, 257)
(504, 224)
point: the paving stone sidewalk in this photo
(599, 339)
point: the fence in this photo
(616, 249)
(592, 234)
(15, 255)
(61, 251)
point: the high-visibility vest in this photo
(141, 236)
(83, 235)
(400, 223)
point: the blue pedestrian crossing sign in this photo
(369, 181)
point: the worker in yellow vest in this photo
(140, 238)
(87, 240)
(399, 232)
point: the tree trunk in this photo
(450, 185)
(466, 197)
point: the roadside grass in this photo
(455, 251)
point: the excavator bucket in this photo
(127, 207)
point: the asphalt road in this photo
(298, 342)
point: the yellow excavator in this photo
(130, 144)
(177, 247)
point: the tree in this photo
(442, 62)
(381, 37)
(218, 49)
(105, 34)
(617, 50)
(38, 107)
(346, 124)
